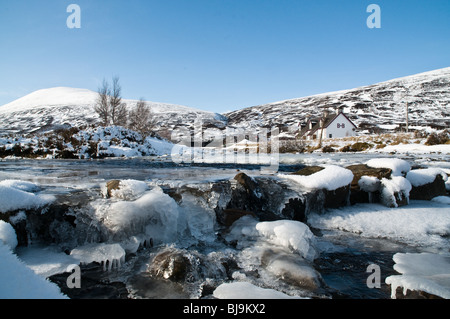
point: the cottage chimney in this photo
(338, 110)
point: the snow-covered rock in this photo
(421, 272)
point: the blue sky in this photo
(218, 55)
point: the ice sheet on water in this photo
(422, 272)
(246, 290)
(421, 223)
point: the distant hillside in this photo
(373, 108)
(49, 109)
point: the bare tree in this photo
(109, 104)
(117, 108)
(141, 118)
(102, 105)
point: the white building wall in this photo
(340, 127)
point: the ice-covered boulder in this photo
(427, 183)
(395, 191)
(423, 275)
(366, 185)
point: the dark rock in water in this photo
(229, 216)
(357, 195)
(170, 264)
(291, 269)
(414, 294)
(430, 190)
(94, 284)
(309, 170)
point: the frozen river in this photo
(346, 240)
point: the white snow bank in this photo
(442, 200)
(8, 235)
(246, 290)
(419, 177)
(20, 282)
(417, 148)
(112, 255)
(14, 197)
(395, 186)
(291, 234)
(331, 177)
(398, 166)
(421, 272)
(421, 223)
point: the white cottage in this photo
(334, 125)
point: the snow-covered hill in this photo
(373, 107)
(62, 107)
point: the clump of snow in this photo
(442, 200)
(419, 177)
(14, 197)
(421, 272)
(8, 235)
(398, 166)
(291, 234)
(112, 255)
(369, 183)
(395, 186)
(331, 178)
(129, 189)
(20, 282)
(246, 290)
(421, 223)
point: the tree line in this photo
(113, 111)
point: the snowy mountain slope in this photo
(49, 109)
(372, 107)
